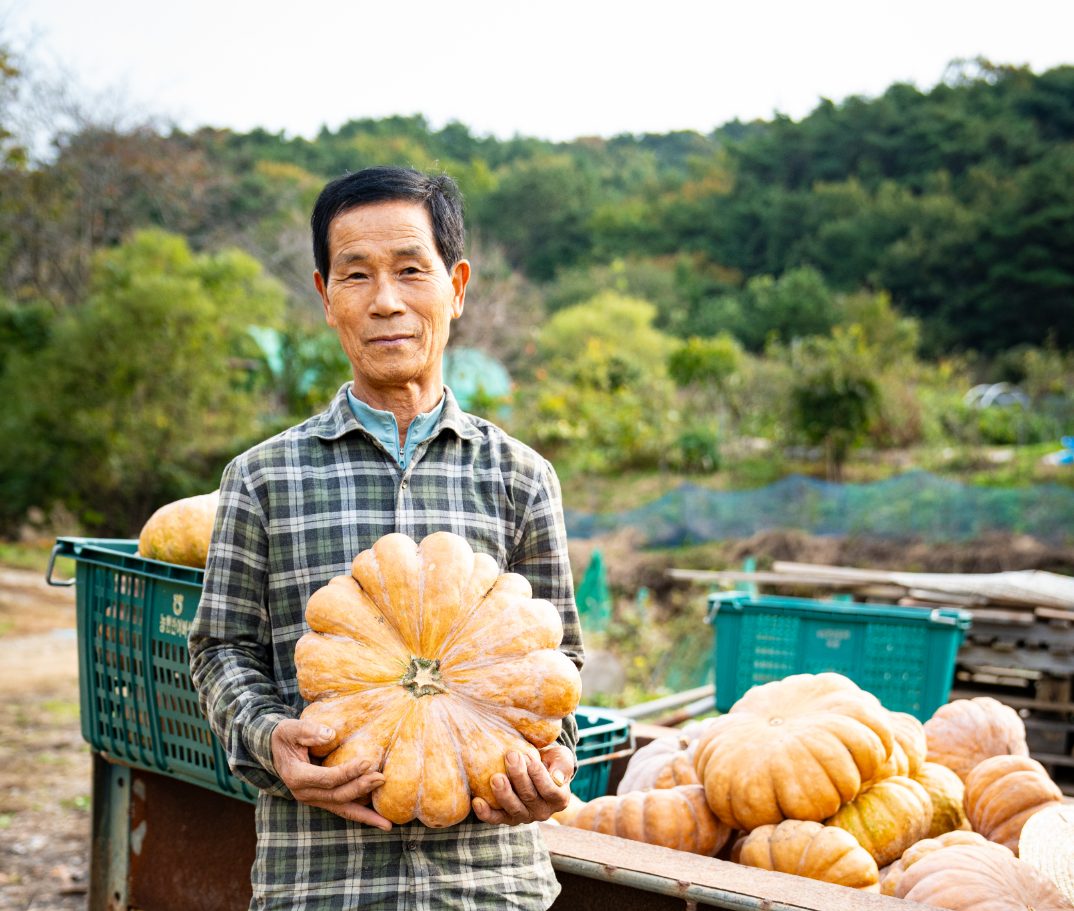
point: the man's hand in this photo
(530, 791)
(343, 790)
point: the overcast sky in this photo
(543, 68)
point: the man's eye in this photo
(355, 275)
(411, 270)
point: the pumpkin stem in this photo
(422, 677)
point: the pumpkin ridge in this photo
(463, 617)
(807, 745)
(387, 615)
(453, 641)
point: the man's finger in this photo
(356, 812)
(508, 800)
(305, 733)
(519, 772)
(546, 787)
(303, 775)
(486, 814)
(351, 790)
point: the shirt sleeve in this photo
(540, 554)
(230, 638)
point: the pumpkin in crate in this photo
(675, 817)
(1003, 792)
(962, 733)
(893, 873)
(809, 849)
(974, 878)
(180, 532)
(946, 791)
(664, 762)
(431, 665)
(678, 770)
(887, 817)
(908, 751)
(797, 748)
(648, 762)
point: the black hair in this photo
(439, 194)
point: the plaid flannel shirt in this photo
(294, 511)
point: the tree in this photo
(600, 399)
(142, 393)
(834, 394)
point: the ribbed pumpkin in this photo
(887, 818)
(432, 665)
(907, 752)
(890, 875)
(676, 771)
(648, 762)
(810, 849)
(797, 748)
(180, 532)
(1003, 792)
(962, 733)
(945, 790)
(973, 878)
(676, 818)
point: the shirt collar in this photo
(338, 419)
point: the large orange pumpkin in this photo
(798, 748)
(1003, 792)
(810, 849)
(973, 878)
(962, 733)
(676, 771)
(945, 790)
(891, 875)
(676, 817)
(887, 818)
(908, 752)
(180, 532)
(431, 665)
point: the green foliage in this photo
(835, 393)
(601, 400)
(142, 392)
(795, 305)
(705, 361)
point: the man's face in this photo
(389, 295)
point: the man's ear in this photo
(460, 277)
(322, 289)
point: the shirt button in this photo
(412, 846)
(403, 485)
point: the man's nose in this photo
(386, 298)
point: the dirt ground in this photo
(44, 763)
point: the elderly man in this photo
(393, 452)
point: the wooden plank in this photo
(1012, 658)
(1028, 587)
(781, 891)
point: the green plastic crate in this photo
(603, 736)
(905, 656)
(138, 703)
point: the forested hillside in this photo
(839, 279)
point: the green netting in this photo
(916, 505)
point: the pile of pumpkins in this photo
(811, 775)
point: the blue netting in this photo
(913, 505)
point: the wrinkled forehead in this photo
(395, 223)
